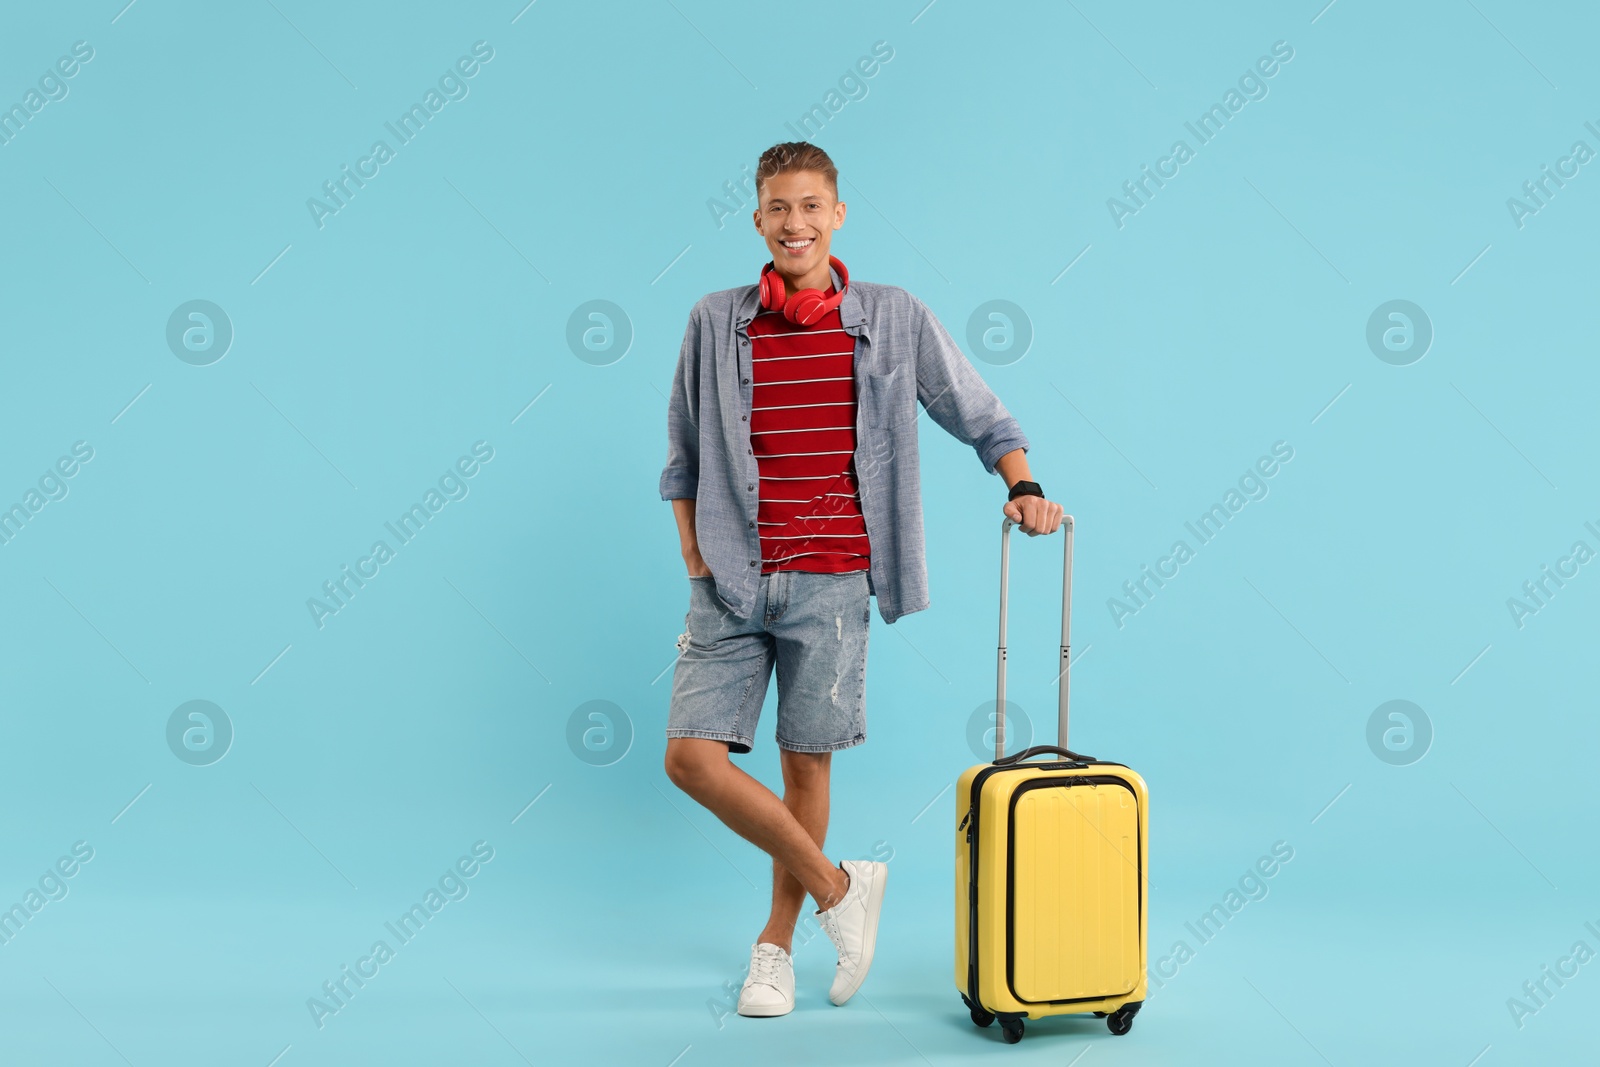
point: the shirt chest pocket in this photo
(884, 400)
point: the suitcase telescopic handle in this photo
(1066, 645)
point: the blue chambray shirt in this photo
(902, 355)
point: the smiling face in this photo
(796, 214)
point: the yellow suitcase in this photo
(1051, 893)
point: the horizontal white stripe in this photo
(799, 429)
(785, 455)
(803, 381)
(797, 555)
(808, 499)
(790, 407)
(783, 522)
(802, 477)
(805, 537)
(807, 355)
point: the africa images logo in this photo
(452, 86)
(453, 484)
(1205, 128)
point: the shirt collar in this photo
(851, 313)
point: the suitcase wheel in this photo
(979, 1016)
(1120, 1021)
(1011, 1030)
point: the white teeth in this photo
(797, 244)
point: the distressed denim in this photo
(903, 355)
(812, 627)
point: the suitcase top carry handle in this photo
(1066, 633)
(1039, 750)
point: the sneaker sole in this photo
(767, 1012)
(870, 941)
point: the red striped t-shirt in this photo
(802, 430)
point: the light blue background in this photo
(426, 315)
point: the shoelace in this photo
(764, 967)
(830, 926)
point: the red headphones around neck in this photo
(806, 306)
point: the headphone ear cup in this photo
(805, 307)
(771, 290)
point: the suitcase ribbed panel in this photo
(1075, 923)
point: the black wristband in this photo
(1023, 488)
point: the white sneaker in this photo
(769, 988)
(852, 925)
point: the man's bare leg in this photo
(701, 768)
(805, 794)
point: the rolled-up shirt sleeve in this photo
(958, 398)
(680, 478)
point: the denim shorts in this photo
(811, 626)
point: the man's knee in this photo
(690, 761)
(805, 769)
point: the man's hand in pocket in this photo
(696, 564)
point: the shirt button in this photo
(745, 343)
(752, 563)
(752, 526)
(744, 418)
(747, 381)
(751, 488)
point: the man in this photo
(792, 471)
